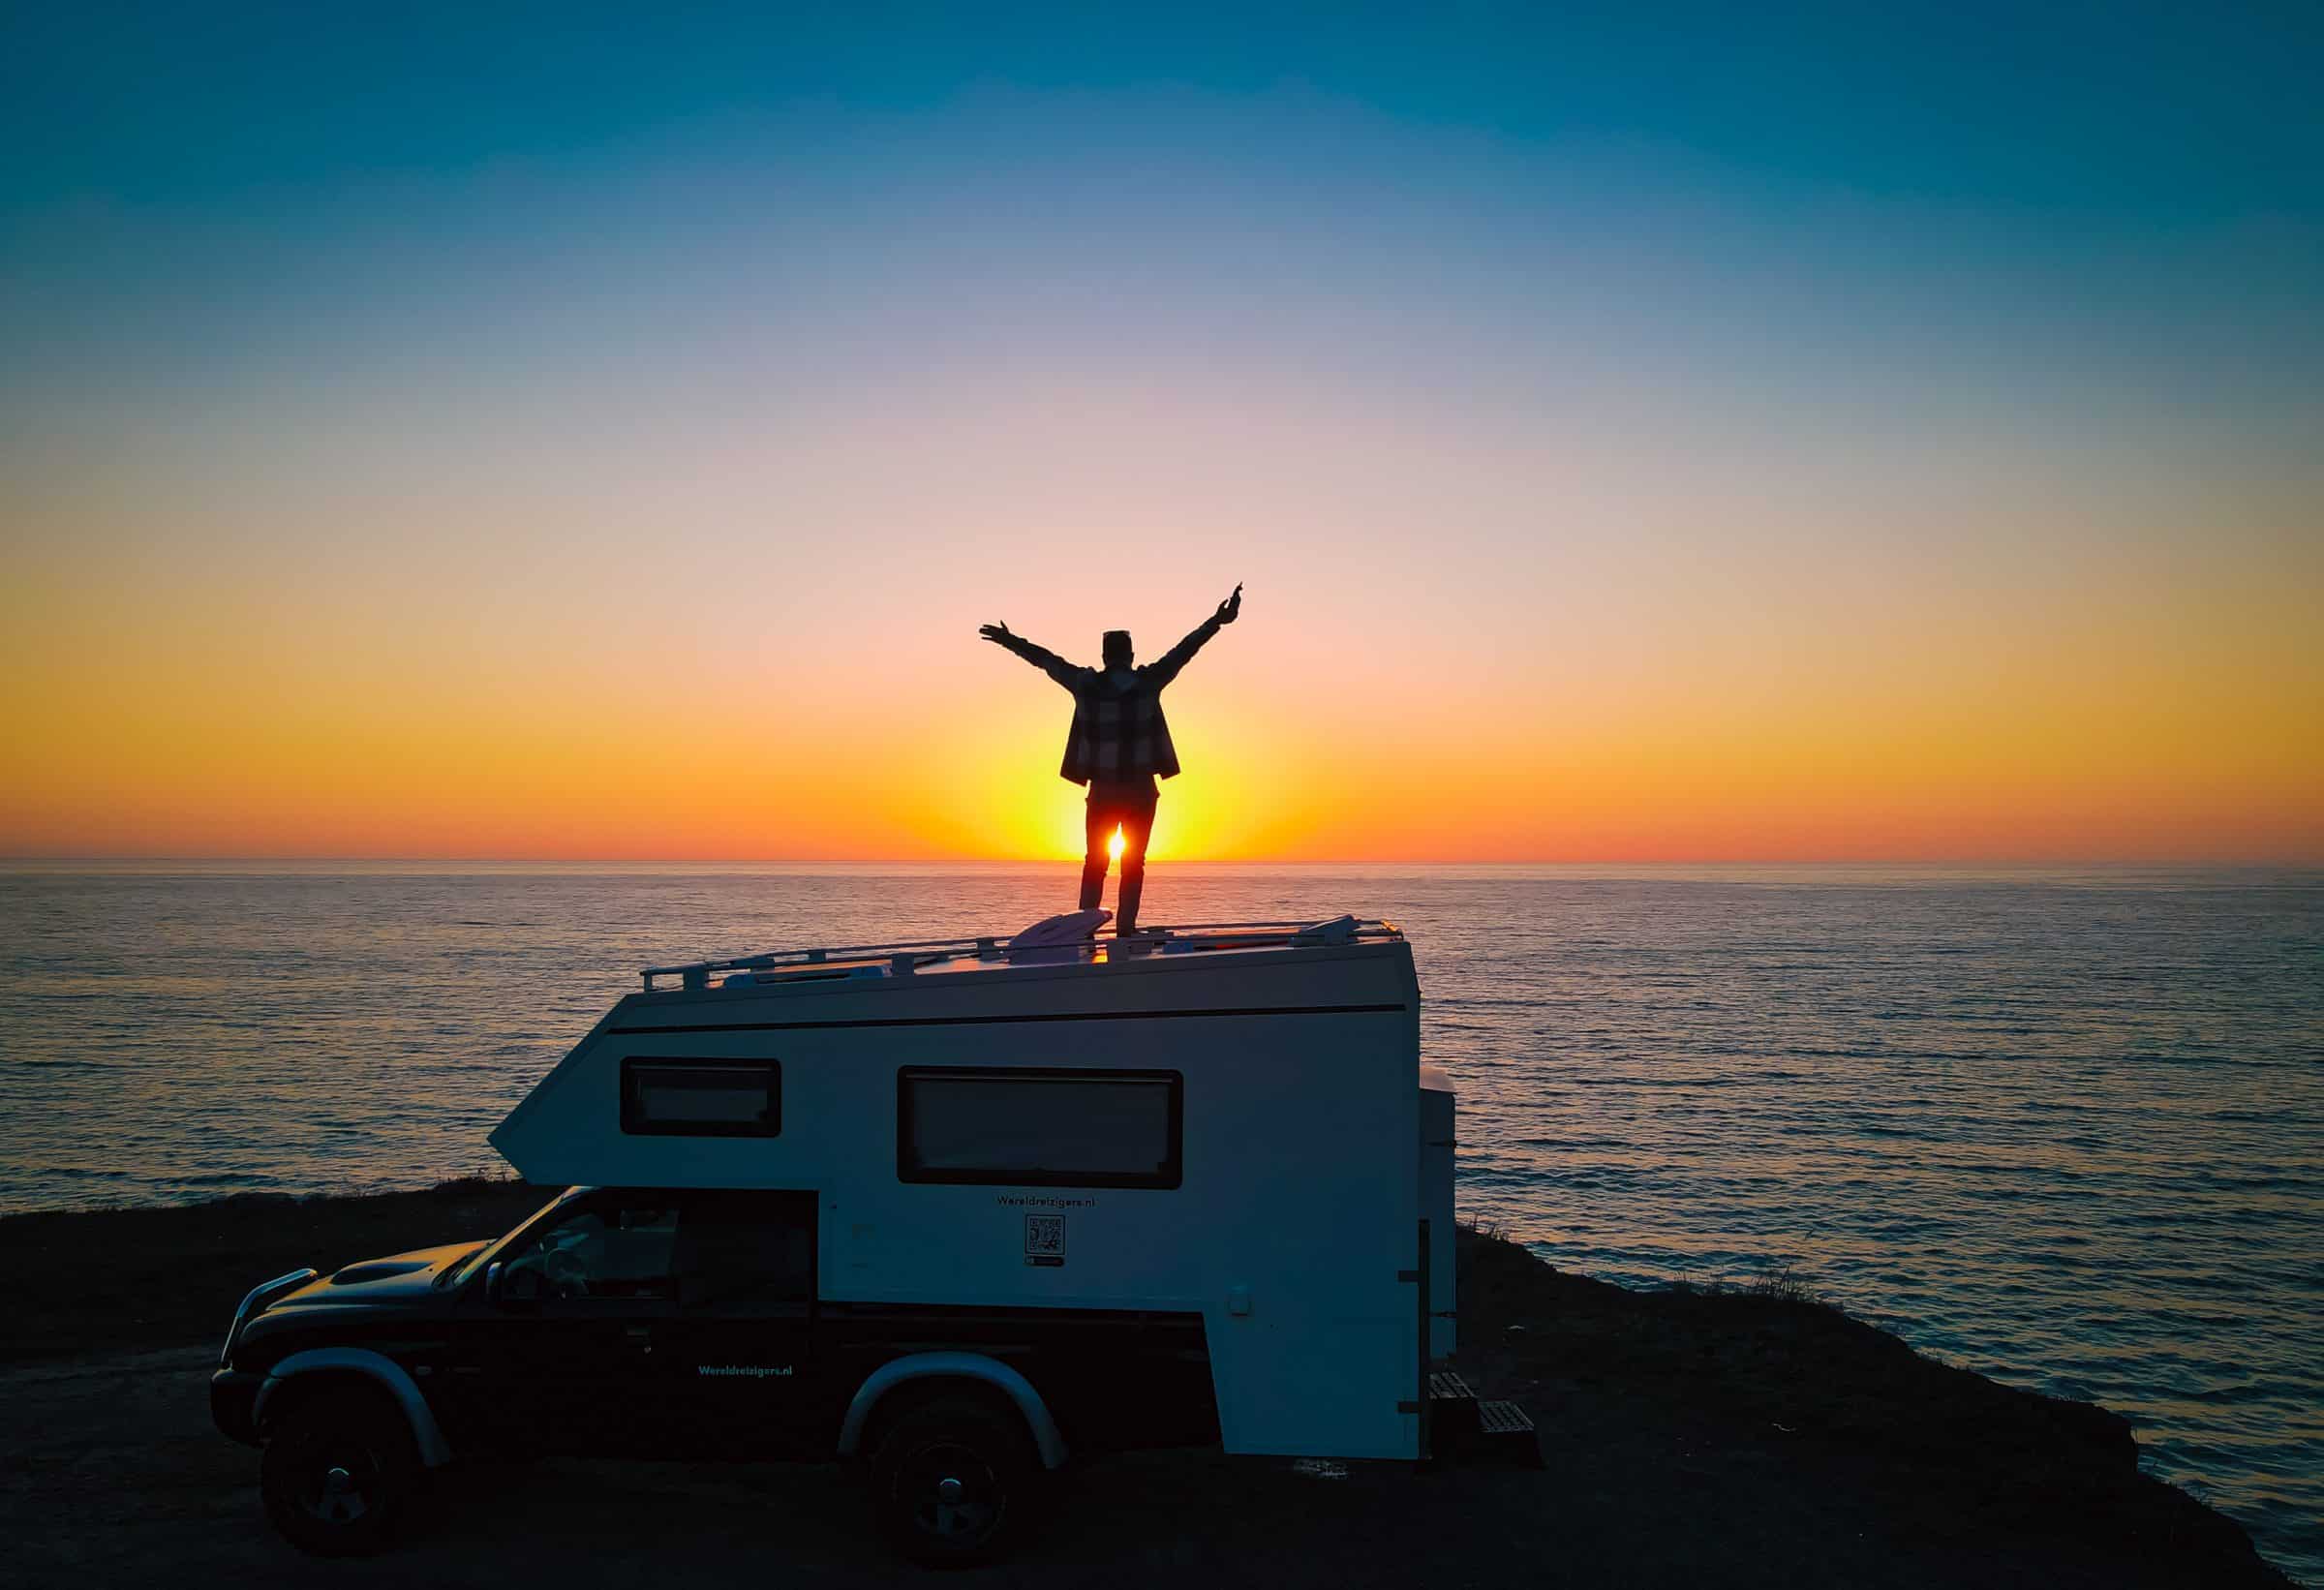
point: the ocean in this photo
(2062, 1128)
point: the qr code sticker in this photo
(1045, 1236)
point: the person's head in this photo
(1117, 649)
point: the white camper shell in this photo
(1225, 1121)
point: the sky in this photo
(1648, 434)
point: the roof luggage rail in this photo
(907, 956)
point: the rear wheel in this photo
(338, 1469)
(954, 1481)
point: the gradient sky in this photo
(1656, 434)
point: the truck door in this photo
(563, 1356)
(741, 1344)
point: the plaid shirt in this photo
(1119, 732)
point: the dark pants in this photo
(1132, 808)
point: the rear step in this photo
(1464, 1429)
(1452, 1419)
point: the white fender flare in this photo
(954, 1366)
(390, 1376)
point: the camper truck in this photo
(961, 1211)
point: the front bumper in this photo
(232, 1398)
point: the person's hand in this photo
(1231, 607)
(997, 633)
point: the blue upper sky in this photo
(2131, 112)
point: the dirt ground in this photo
(1716, 1441)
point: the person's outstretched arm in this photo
(1178, 655)
(1040, 656)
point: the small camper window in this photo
(1043, 1128)
(701, 1098)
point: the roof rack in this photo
(904, 956)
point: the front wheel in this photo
(337, 1472)
(954, 1483)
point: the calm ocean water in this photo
(2062, 1128)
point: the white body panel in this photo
(1301, 1192)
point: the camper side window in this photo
(1028, 1127)
(701, 1098)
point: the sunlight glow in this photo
(1114, 845)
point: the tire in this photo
(955, 1482)
(337, 1473)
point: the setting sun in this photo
(1114, 845)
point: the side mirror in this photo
(492, 1282)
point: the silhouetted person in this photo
(1118, 744)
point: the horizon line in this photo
(12, 859)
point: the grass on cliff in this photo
(134, 1278)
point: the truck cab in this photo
(676, 1323)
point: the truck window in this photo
(675, 1097)
(748, 1252)
(617, 1250)
(1038, 1127)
